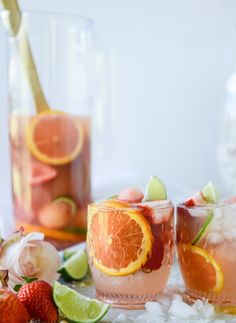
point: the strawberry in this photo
(197, 199)
(37, 298)
(11, 309)
(155, 259)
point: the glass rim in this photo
(134, 206)
(208, 206)
(88, 20)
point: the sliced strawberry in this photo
(197, 199)
(131, 195)
(157, 211)
(41, 173)
(157, 254)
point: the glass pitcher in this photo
(50, 99)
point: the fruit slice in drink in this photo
(41, 173)
(201, 233)
(119, 240)
(54, 138)
(210, 193)
(155, 190)
(200, 271)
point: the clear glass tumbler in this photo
(206, 244)
(130, 251)
(50, 98)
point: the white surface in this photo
(169, 63)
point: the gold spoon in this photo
(12, 23)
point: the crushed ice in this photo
(172, 308)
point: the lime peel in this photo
(67, 253)
(67, 200)
(77, 307)
(203, 229)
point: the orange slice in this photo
(200, 271)
(226, 309)
(119, 239)
(53, 234)
(54, 137)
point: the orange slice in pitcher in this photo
(119, 239)
(54, 137)
(200, 270)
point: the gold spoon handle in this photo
(11, 22)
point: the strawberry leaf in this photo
(17, 287)
(29, 279)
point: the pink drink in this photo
(37, 185)
(113, 232)
(209, 268)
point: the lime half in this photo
(75, 267)
(203, 229)
(76, 307)
(210, 193)
(155, 190)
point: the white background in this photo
(169, 63)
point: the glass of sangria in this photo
(50, 94)
(206, 245)
(130, 245)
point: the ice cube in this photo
(214, 237)
(204, 309)
(230, 234)
(165, 302)
(180, 309)
(154, 308)
(208, 310)
(177, 297)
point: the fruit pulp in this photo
(209, 275)
(131, 290)
(37, 184)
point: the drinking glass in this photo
(206, 244)
(130, 251)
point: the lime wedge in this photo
(67, 253)
(210, 193)
(76, 307)
(75, 267)
(203, 229)
(155, 190)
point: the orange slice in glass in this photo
(200, 271)
(54, 137)
(119, 239)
